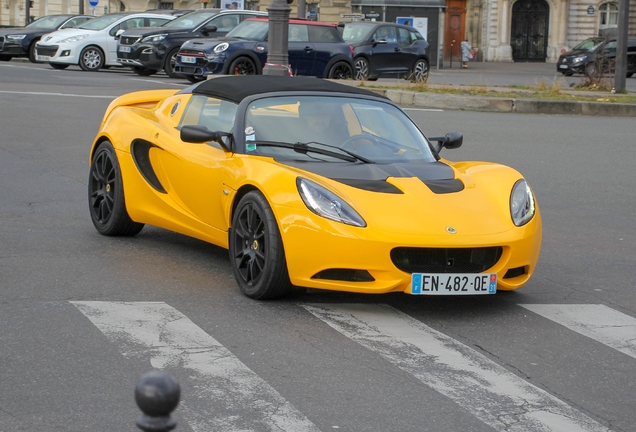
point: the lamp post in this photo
(277, 55)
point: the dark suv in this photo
(595, 53)
(314, 49)
(148, 50)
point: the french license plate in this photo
(185, 59)
(44, 58)
(453, 283)
(125, 49)
(563, 66)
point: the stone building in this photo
(501, 30)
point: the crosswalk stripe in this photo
(596, 321)
(487, 390)
(238, 399)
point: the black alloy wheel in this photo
(242, 66)
(361, 66)
(340, 70)
(171, 62)
(256, 249)
(106, 195)
(420, 71)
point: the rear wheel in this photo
(32, 52)
(106, 195)
(340, 70)
(629, 74)
(361, 69)
(59, 66)
(91, 59)
(170, 63)
(242, 66)
(256, 249)
(4, 57)
(142, 71)
(420, 71)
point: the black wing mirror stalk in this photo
(451, 140)
(200, 134)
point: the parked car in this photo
(384, 50)
(20, 41)
(93, 45)
(150, 50)
(592, 54)
(175, 12)
(314, 49)
(312, 183)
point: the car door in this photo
(327, 43)
(385, 50)
(112, 38)
(300, 50)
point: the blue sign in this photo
(93, 2)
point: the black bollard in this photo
(157, 395)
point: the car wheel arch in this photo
(95, 46)
(333, 61)
(242, 53)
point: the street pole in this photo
(302, 9)
(278, 37)
(27, 8)
(620, 68)
(81, 7)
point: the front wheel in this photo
(591, 70)
(256, 249)
(91, 59)
(106, 195)
(242, 66)
(170, 63)
(340, 70)
(420, 71)
(32, 53)
(361, 69)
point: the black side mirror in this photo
(209, 29)
(451, 140)
(200, 134)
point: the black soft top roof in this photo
(237, 88)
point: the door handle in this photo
(308, 49)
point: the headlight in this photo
(73, 39)
(521, 203)
(154, 38)
(221, 47)
(327, 204)
(578, 59)
(16, 37)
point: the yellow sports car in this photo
(314, 184)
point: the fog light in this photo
(65, 53)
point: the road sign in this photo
(361, 16)
(93, 2)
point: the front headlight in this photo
(521, 203)
(74, 39)
(327, 204)
(16, 37)
(154, 38)
(578, 59)
(221, 47)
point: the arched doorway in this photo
(529, 33)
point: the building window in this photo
(608, 15)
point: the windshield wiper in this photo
(305, 148)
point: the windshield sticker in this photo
(250, 147)
(250, 135)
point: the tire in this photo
(142, 71)
(590, 70)
(58, 66)
(361, 69)
(4, 57)
(106, 195)
(256, 250)
(91, 59)
(629, 74)
(567, 74)
(340, 70)
(32, 52)
(170, 62)
(242, 66)
(195, 78)
(420, 71)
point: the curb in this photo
(502, 105)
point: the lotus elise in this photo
(315, 184)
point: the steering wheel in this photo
(360, 142)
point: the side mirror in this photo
(119, 33)
(209, 29)
(200, 134)
(451, 140)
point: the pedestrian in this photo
(466, 53)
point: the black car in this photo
(314, 49)
(384, 49)
(20, 41)
(151, 49)
(595, 55)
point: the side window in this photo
(611, 47)
(155, 22)
(72, 23)
(320, 33)
(386, 33)
(298, 33)
(127, 25)
(404, 37)
(214, 114)
(224, 23)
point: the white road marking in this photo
(487, 390)
(56, 94)
(596, 321)
(238, 399)
(423, 109)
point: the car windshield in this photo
(354, 32)
(102, 22)
(589, 44)
(352, 129)
(191, 20)
(250, 30)
(48, 22)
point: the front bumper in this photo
(202, 66)
(141, 55)
(62, 53)
(10, 48)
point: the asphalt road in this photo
(71, 352)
